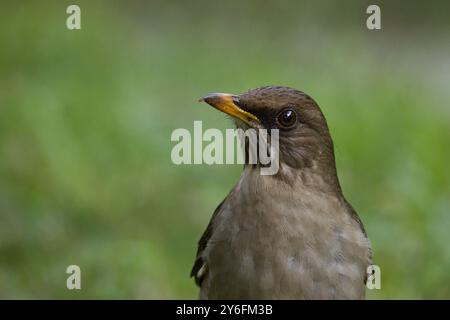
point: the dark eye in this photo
(287, 118)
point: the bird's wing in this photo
(200, 268)
(356, 217)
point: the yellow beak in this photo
(227, 103)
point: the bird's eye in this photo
(287, 118)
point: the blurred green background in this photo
(86, 118)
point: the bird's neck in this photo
(314, 178)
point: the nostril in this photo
(240, 103)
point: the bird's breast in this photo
(285, 245)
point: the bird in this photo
(290, 235)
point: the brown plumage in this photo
(292, 235)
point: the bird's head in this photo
(304, 138)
